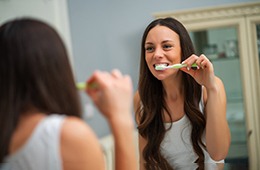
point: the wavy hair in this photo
(152, 96)
(35, 72)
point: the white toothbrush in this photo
(176, 66)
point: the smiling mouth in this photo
(160, 65)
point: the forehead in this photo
(161, 32)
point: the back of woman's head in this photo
(35, 67)
(34, 73)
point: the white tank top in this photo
(42, 150)
(177, 149)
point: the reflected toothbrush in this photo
(84, 85)
(175, 66)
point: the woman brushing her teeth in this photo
(181, 113)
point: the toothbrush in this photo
(84, 85)
(176, 66)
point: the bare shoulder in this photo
(74, 130)
(80, 147)
(219, 82)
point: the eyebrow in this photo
(148, 43)
(164, 41)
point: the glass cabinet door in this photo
(258, 41)
(220, 45)
(230, 37)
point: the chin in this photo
(160, 77)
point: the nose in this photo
(158, 53)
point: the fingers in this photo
(116, 73)
(202, 61)
(113, 96)
(103, 79)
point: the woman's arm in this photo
(217, 129)
(113, 97)
(125, 151)
(141, 141)
(80, 149)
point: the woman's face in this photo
(162, 46)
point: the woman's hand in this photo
(112, 94)
(217, 129)
(204, 73)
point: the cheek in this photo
(147, 58)
(176, 56)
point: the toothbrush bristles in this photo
(176, 66)
(159, 67)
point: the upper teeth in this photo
(160, 64)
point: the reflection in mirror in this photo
(220, 45)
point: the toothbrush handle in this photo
(193, 65)
(83, 85)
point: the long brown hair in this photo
(34, 72)
(152, 96)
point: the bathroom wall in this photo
(53, 12)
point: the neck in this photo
(173, 87)
(30, 115)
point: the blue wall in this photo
(106, 34)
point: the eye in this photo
(149, 49)
(167, 46)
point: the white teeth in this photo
(161, 65)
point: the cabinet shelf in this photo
(224, 59)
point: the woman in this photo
(181, 113)
(40, 107)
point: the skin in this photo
(80, 149)
(141, 141)
(114, 100)
(80, 142)
(163, 46)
